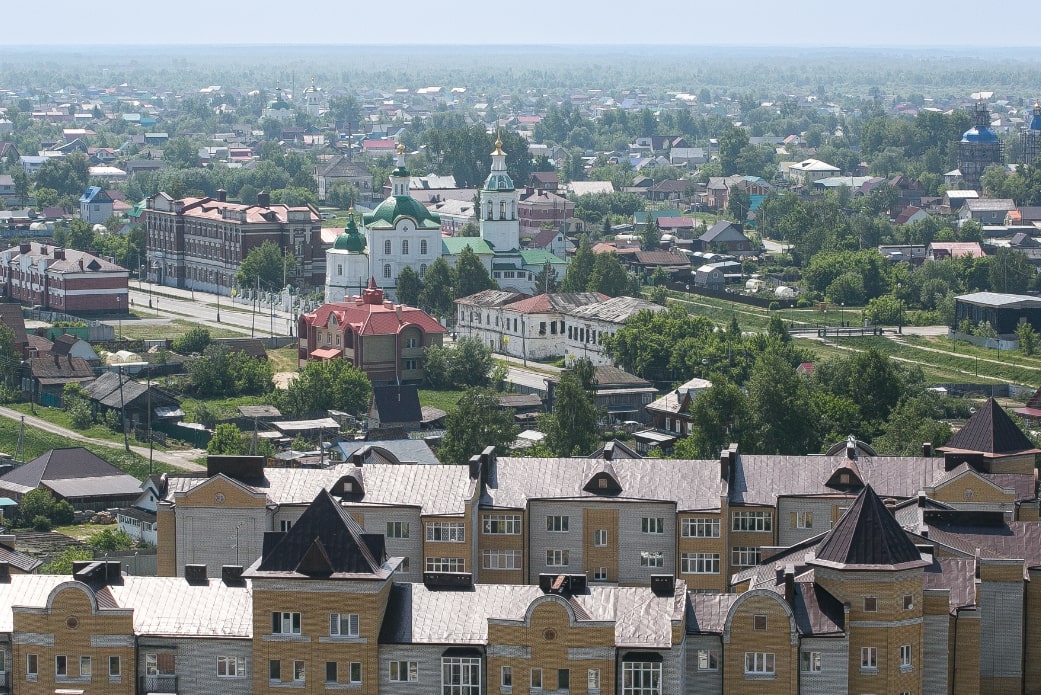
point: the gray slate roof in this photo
(73, 472)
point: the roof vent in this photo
(231, 574)
(663, 584)
(562, 583)
(448, 580)
(195, 574)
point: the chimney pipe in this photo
(222, 195)
(789, 585)
(264, 199)
(927, 449)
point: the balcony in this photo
(159, 683)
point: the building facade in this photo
(60, 279)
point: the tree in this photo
(195, 340)
(326, 385)
(914, 420)
(739, 203)
(409, 286)
(579, 271)
(650, 238)
(719, 416)
(181, 153)
(571, 427)
(38, 502)
(110, 540)
(779, 400)
(731, 142)
(476, 423)
(546, 279)
(886, 310)
(269, 264)
(1010, 272)
(1027, 338)
(438, 293)
(608, 276)
(470, 275)
(467, 363)
(227, 440)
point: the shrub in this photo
(41, 523)
(63, 514)
(195, 340)
(79, 414)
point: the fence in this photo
(761, 302)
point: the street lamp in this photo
(119, 316)
(842, 314)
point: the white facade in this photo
(346, 274)
(587, 326)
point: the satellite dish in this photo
(972, 411)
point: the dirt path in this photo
(177, 459)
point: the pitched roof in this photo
(722, 231)
(367, 318)
(59, 466)
(556, 302)
(990, 431)
(324, 541)
(398, 403)
(868, 537)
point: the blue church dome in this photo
(1035, 122)
(979, 134)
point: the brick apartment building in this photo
(61, 279)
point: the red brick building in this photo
(543, 209)
(61, 279)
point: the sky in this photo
(910, 23)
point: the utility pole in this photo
(122, 411)
(150, 441)
(19, 453)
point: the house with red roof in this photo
(383, 339)
(62, 279)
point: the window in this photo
(61, 665)
(422, 247)
(284, 525)
(536, 679)
(760, 663)
(654, 558)
(908, 602)
(558, 524)
(708, 659)
(542, 328)
(386, 269)
(802, 520)
(397, 529)
(600, 535)
(905, 657)
(501, 524)
(563, 679)
(412, 342)
(411, 365)
(85, 667)
(743, 556)
(641, 678)
(344, 625)
(699, 563)
(115, 668)
(231, 666)
(331, 672)
(422, 268)
(870, 604)
(32, 666)
(557, 558)
(274, 670)
(868, 658)
(506, 679)
(593, 680)
(752, 521)
(445, 531)
(159, 664)
(285, 623)
(404, 671)
(354, 672)
(600, 574)
(460, 675)
(700, 528)
(501, 559)
(299, 671)
(810, 662)
(386, 248)
(404, 247)
(445, 564)
(652, 524)
(759, 623)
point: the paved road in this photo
(177, 459)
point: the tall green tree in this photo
(269, 264)
(438, 293)
(477, 422)
(608, 276)
(580, 269)
(779, 400)
(546, 279)
(1010, 272)
(719, 416)
(325, 385)
(571, 427)
(409, 286)
(471, 275)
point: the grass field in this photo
(61, 418)
(444, 400)
(174, 329)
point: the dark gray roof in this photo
(707, 613)
(401, 450)
(868, 537)
(105, 391)
(397, 403)
(722, 231)
(990, 431)
(73, 472)
(955, 574)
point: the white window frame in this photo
(869, 658)
(699, 563)
(708, 659)
(32, 665)
(906, 659)
(506, 678)
(492, 559)
(397, 529)
(354, 673)
(699, 527)
(116, 661)
(460, 675)
(86, 667)
(558, 523)
(231, 666)
(744, 556)
(810, 662)
(339, 621)
(558, 557)
(535, 679)
(445, 532)
(752, 522)
(593, 680)
(61, 666)
(802, 520)
(299, 671)
(652, 558)
(445, 564)
(641, 678)
(288, 623)
(600, 574)
(600, 538)
(760, 664)
(653, 525)
(501, 525)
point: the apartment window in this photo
(404, 247)
(404, 671)
(593, 680)
(274, 670)
(652, 524)
(699, 563)
(354, 672)
(744, 556)
(868, 658)
(557, 558)
(506, 677)
(423, 247)
(339, 269)
(501, 559)
(344, 625)
(558, 524)
(801, 519)
(386, 270)
(32, 666)
(870, 604)
(600, 574)
(810, 662)
(708, 659)
(759, 623)
(536, 679)
(411, 365)
(908, 602)
(752, 521)
(284, 525)
(905, 657)
(231, 666)
(759, 663)
(641, 678)
(445, 531)
(563, 679)
(445, 564)
(299, 671)
(285, 623)
(501, 525)
(422, 268)
(600, 537)
(331, 672)
(700, 528)
(386, 248)
(115, 667)
(460, 675)
(86, 669)
(542, 328)
(412, 342)
(159, 664)
(397, 529)
(61, 665)
(649, 558)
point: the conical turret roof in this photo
(990, 431)
(868, 538)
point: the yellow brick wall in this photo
(1032, 635)
(166, 537)
(965, 661)
(776, 640)
(979, 492)
(502, 541)
(606, 556)
(710, 582)
(207, 495)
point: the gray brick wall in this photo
(833, 678)
(236, 539)
(428, 660)
(411, 547)
(539, 539)
(1001, 628)
(632, 541)
(703, 682)
(195, 661)
(821, 510)
(935, 635)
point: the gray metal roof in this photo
(997, 299)
(615, 310)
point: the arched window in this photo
(422, 268)
(502, 210)
(386, 247)
(489, 214)
(386, 270)
(422, 247)
(404, 247)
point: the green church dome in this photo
(387, 214)
(351, 239)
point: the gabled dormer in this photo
(603, 480)
(846, 476)
(350, 486)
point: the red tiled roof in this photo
(374, 319)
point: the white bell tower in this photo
(500, 226)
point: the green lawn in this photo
(444, 400)
(59, 417)
(173, 329)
